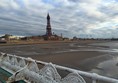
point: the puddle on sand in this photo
(107, 68)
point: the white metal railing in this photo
(27, 69)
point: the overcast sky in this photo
(81, 18)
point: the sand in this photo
(80, 55)
(70, 54)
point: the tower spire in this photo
(48, 16)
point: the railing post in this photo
(93, 78)
(93, 81)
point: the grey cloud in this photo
(74, 0)
(109, 11)
(69, 20)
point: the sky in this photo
(80, 18)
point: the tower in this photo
(48, 27)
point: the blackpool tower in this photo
(48, 27)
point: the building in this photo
(10, 37)
(49, 35)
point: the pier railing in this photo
(27, 69)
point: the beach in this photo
(90, 56)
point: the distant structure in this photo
(48, 27)
(9, 37)
(49, 35)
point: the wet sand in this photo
(83, 55)
(70, 54)
(70, 59)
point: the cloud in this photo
(81, 18)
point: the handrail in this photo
(93, 76)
